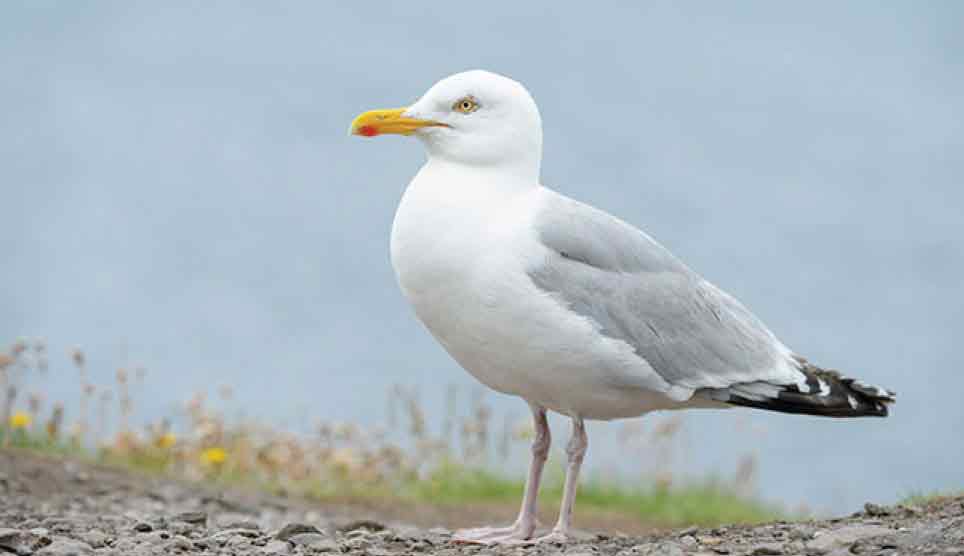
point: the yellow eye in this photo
(465, 105)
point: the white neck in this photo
(478, 181)
(520, 163)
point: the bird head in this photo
(474, 118)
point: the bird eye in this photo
(465, 105)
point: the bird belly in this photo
(536, 350)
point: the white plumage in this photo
(557, 302)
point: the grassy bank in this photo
(453, 467)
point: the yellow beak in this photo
(377, 122)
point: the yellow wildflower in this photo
(165, 440)
(213, 456)
(20, 420)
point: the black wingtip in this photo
(827, 393)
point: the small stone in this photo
(194, 518)
(844, 537)
(180, 543)
(357, 534)
(276, 547)
(247, 533)
(876, 510)
(125, 545)
(314, 541)
(357, 544)
(59, 524)
(95, 538)
(23, 542)
(63, 546)
(244, 524)
(182, 528)
(912, 510)
(156, 537)
(658, 549)
(143, 527)
(237, 540)
(688, 541)
(768, 549)
(362, 524)
(293, 529)
(12, 539)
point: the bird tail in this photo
(826, 393)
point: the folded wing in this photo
(697, 337)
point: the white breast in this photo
(460, 251)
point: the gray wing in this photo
(692, 334)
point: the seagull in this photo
(576, 311)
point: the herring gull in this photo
(575, 311)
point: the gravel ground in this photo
(59, 508)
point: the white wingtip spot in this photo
(824, 387)
(852, 401)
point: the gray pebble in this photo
(237, 540)
(293, 529)
(362, 524)
(876, 510)
(143, 527)
(155, 537)
(125, 545)
(9, 536)
(180, 543)
(768, 549)
(314, 541)
(276, 547)
(659, 549)
(62, 546)
(243, 524)
(358, 543)
(235, 533)
(182, 527)
(95, 538)
(844, 537)
(194, 518)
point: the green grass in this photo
(703, 503)
(453, 484)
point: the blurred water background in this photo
(179, 193)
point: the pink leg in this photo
(525, 524)
(576, 451)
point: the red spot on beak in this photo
(367, 131)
